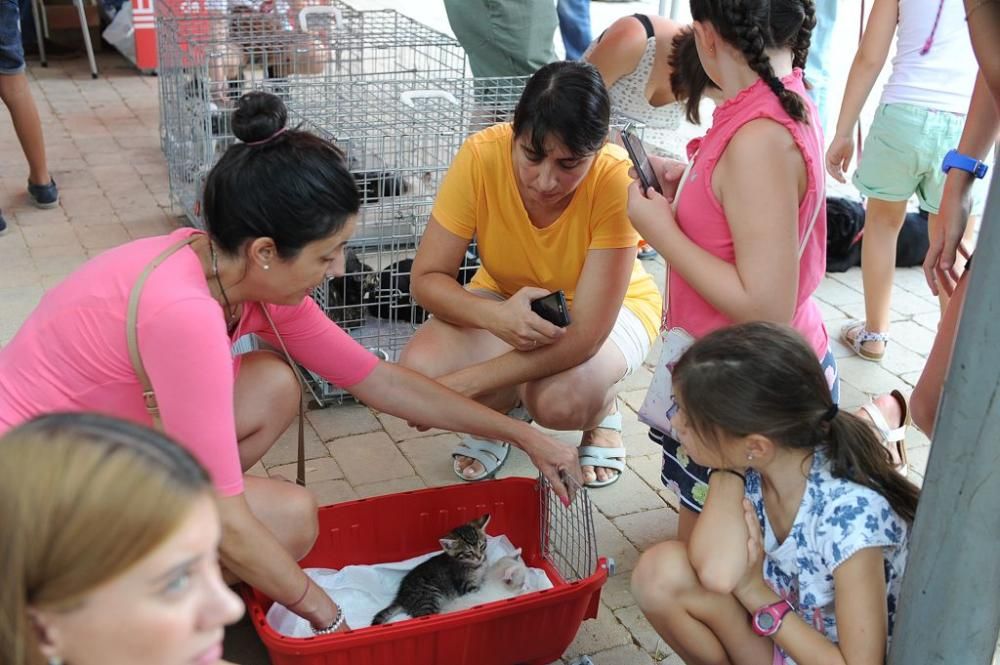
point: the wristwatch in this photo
(956, 160)
(767, 620)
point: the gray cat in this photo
(456, 571)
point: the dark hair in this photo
(568, 100)
(287, 185)
(755, 25)
(763, 378)
(688, 79)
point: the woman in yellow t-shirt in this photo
(545, 198)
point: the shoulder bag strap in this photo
(300, 471)
(132, 329)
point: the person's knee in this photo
(283, 389)
(662, 572)
(422, 354)
(560, 405)
(301, 511)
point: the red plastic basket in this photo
(534, 628)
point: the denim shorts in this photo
(903, 153)
(11, 49)
(688, 478)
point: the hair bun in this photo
(258, 116)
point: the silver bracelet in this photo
(333, 627)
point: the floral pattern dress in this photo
(836, 519)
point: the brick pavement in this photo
(103, 147)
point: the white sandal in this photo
(889, 435)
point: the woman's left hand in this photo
(753, 577)
(650, 212)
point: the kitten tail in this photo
(388, 613)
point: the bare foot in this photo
(470, 468)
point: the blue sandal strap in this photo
(605, 458)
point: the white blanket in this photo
(362, 591)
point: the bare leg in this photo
(16, 95)
(883, 219)
(701, 626)
(267, 401)
(927, 394)
(579, 399)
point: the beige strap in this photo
(132, 329)
(300, 471)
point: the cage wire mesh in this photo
(211, 55)
(567, 533)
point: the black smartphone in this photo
(552, 308)
(633, 145)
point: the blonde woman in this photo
(110, 551)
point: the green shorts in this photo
(504, 37)
(903, 152)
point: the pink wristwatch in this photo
(767, 620)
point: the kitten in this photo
(346, 295)
(504, 579)
(456, 571)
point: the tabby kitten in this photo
(456, 571)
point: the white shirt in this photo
(943, 78)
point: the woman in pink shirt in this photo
(745, 239)
(280, 208)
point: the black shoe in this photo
(44, 196)
(3, 223)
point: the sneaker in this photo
(3, 223)
(44, 196)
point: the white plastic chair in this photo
(42, 31)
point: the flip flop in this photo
(491, 454)
(890, 436)
(606, 458)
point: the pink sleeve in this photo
(186, 353)
(315, 341)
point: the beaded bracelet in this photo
(333, 627)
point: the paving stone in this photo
(400, 431)
(329, 492)
(900, 360)
(257, 470)
(648, 528)
(431, 457)
(518, 465)
(929, 320)
(836, 293)
(369, 458)
(49, 235)
(632, 618)
(640, 445)
(634, 398)
(389, 486)
(613, 545)
(617, 591)
(850, 397)
(912, 303)
(868, 376)
(913, 336)
(600, 634)
(285, 449)
(624, 655)
(630, 494)
(911, 377)
(340, 420)
(317, 470)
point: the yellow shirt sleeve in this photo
(611, 226)
(457, 201)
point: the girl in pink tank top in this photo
(745, 234)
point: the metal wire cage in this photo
(567, 534)
(210, 56)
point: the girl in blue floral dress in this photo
(799, 553)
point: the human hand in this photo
(649, 211)
(516, 324)
(669, 172)
(839, 156)
(752, 583)
(946, 234)
(553, 459)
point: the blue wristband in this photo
(956, 160)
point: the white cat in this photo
(504, 579)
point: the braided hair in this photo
(753, 26)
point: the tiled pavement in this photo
(103, 147)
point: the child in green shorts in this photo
(919, 119)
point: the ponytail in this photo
(856, 454)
